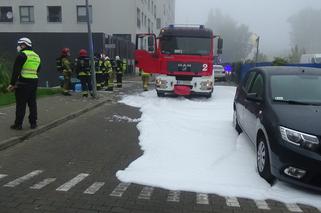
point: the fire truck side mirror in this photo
(219, 46)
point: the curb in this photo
(19, 139)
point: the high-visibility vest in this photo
(30, 67)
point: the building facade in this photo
(54, 24)
(112, 17)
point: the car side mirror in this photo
(254, 97)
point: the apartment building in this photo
(119, 17)
(54, 24)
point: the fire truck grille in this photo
(184, 67)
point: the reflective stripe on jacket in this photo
(30, 67)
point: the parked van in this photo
(310, 59)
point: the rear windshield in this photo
(304, 88)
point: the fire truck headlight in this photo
(161, 83)
(206, 85)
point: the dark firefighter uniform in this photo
(25, 81)
(99, 67)
(82, 66)
(145, 79)
(119, 72)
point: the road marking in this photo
(18, 181)
(43, 183)
(94, 188)
(146, 193)
(262, 204)
(68, 185)
(202, 199)
(232, 202)
(173, 196)
(292, 207)
(119, 190)
(2, 176)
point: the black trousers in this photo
(26, 94)
(85, 81)
(119, 78)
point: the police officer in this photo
(64, 66)
(24, 82)
(119, 72)
(82, 66)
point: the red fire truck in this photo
(182, 58)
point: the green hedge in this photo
(9, 98)
(5, 70)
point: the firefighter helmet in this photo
(65, 51)
(83, 52)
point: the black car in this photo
(279, 109)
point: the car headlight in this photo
(306, 141)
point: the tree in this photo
(278, 61)
(296, 54)
(306, 31)
(236, 37)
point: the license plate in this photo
(180, 82)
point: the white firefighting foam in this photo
(191, 145)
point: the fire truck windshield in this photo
(185, 45)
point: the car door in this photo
(240, 99)
(254, 105)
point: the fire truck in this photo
(182, 57)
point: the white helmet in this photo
(25, 41)
(117, 58)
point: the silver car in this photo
(219, 73)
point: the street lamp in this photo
(91, 52)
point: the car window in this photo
(248, 81)
(257, 86)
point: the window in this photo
(142, 20)
(27, 14)
(6, 14)
(149, 30)
(257, 86)
(248, 81)
(54, 14)
(155, 10)
(82, 14)
(158, 23)
(138, 18)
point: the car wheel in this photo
(236, 123)
(160, 94)
(263, 160)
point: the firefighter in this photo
(108, 70)
(24, 82)
(124, 66)
(111, 74)
(100, 70)
(64, 66)
(145, 78)
(82, 65)
(119, 71)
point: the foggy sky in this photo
(266, 18)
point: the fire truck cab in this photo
(182, 58)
